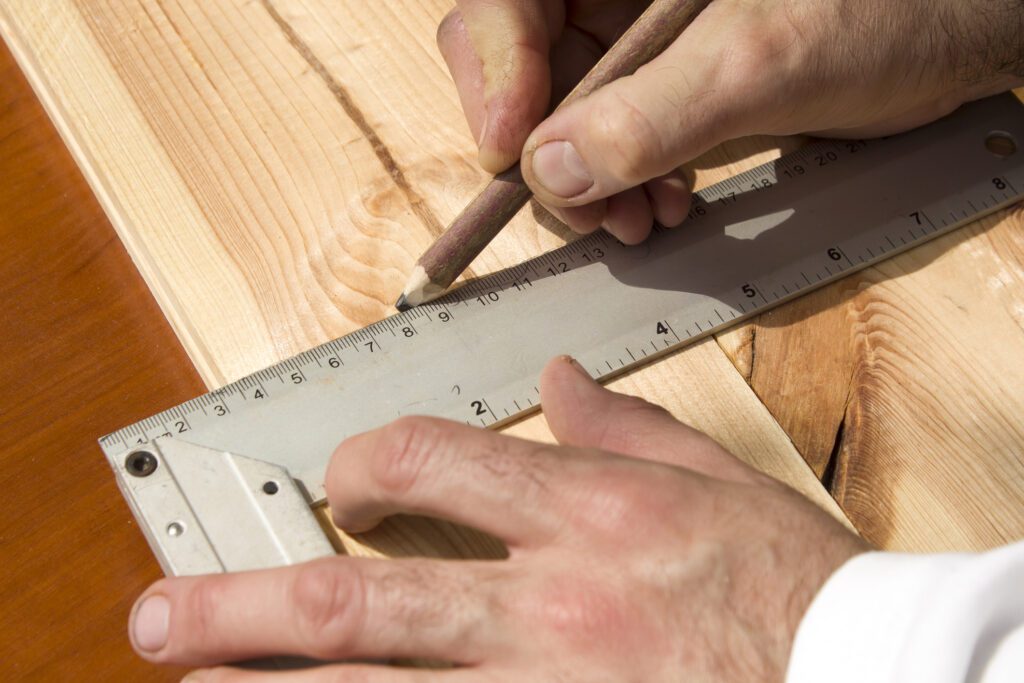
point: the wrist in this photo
(984, 45)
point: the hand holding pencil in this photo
(505, 195)
(609, 155)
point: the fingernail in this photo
(558, 167)
(483, 129)
(576, 366)
(149, 627)
(194, 677)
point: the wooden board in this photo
(903, 386)
(275, 169)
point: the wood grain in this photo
(274, 168)
(903, 386)
(83, 350)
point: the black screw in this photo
(270, 488)
(140, 463)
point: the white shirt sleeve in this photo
(901, 618)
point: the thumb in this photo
(639, 127)
(584, 414)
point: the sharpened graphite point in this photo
(402, 305)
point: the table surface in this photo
(84, 350)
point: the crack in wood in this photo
(753, 352)
(354, 113)
(828, 477)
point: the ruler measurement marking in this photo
(488, 407)
(502, 284)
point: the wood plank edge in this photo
(62, 122)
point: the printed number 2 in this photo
(478, 406)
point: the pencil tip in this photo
(402, 305)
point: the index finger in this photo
(498, 55)
(508, 487)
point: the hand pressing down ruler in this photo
(225, 481)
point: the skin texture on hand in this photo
(845, 68)
(639, 550)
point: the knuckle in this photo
(327, 604)
(627, 140)
(612, 505)
(579, 611)
(204, 600)
(406, 448)
(766, 48)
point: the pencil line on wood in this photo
(352, 110)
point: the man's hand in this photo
(639, 550)
(849, 68)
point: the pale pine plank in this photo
(273, 204)
(410, 102)
(919, 359)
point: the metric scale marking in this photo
(751, 242)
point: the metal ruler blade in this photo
(751, 242)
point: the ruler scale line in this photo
(762, 231)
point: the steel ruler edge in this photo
(245, 461)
